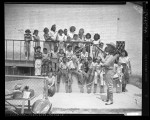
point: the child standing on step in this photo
(38, 60)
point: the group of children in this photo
(66, 58)
(61, 39)
(65, 64)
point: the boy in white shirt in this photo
(69, 52)
(84, 54)
(63, 71)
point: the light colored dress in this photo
(38, 62)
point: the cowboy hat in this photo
(111, 44)
(27, 31)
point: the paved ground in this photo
(83, 103)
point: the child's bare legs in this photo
(69, 83)
(101, 84)
(58, 80)
(95, 88)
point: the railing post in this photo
(6, 49)
(20, 50)
(13, 49)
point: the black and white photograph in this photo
(73, 58)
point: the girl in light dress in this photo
(81, 37)
(53, 34)
(96, 42)
(125, 62)
(61, 38)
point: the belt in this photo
(109, 68)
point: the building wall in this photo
(102, 19)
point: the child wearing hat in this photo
(27, 44)
(36, 39)
(38, 60)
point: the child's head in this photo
(75, 37)
(53, 28)
(27, 31)
(38, 48)
(50, 74)
(84, 50)
(90, 59)
(69, 47)
(64, 59)
(55, 48)
(82, 61)
(26, 87)
(72, 29)
(94, 60)
(46, 30)
(119, 63)
(61, 51)
(124, 53)
(98, 60)
(18, 86)
(101, 45)
(45, 50)
(35, 32)
(65, 31)
(60, 31)
(81, 31)
(88, 36)
(96, 37)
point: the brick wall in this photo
(102, 19)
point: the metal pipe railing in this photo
(13, 49)
(20, 58)
(20, 50)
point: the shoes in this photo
(109, 103)
(105, 100)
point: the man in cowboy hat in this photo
(108, 64)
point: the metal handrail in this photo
(42, 41)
